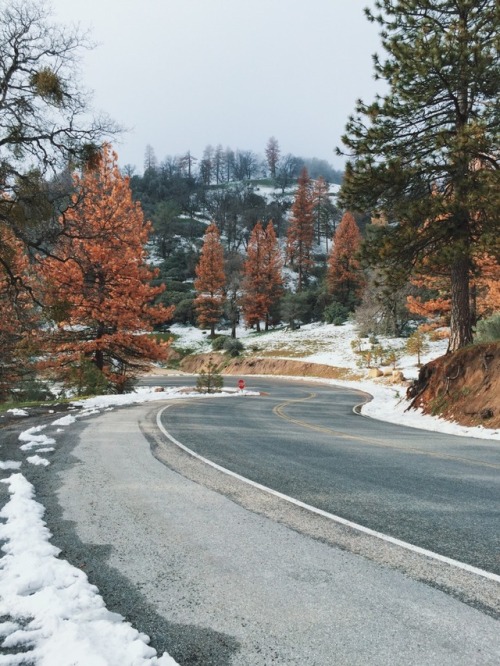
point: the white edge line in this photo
(325, 514)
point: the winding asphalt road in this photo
(438, 492)
(221, 573)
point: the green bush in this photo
(32, 390)
(219, 342)
(86, 379)
(209, 380)
(232, 346)
(184, 312)
(488, 330)
(336, 313)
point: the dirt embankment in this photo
(462, 387)
(264, 366)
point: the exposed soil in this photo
(264, 366)
(462, 387)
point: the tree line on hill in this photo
(224, 186)
(220, 165)
(256, 289)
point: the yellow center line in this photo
(279, 411)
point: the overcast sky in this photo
(181, 74)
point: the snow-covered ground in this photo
(53, 613)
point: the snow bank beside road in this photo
(55, 615)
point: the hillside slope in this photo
(264, 366)
(462, 387)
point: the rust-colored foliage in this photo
(344, 277)
(210, 280)
(263, 281)
(485, 292)
(98, 289)
(300, 234)
(436, 309)
(16, 307)
(487, 285)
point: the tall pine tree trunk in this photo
(460, 322)
(99, 354)
(99, 360)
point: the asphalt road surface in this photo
(220, 573)
(435, 491)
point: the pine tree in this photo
(300, 234)
(207, 166)
(98, 289)
(272, 155)
(426, 154)
(417, 344)
(344, 276)
(263, 281)
(210, 281)
(17, 308)
(321, 206)
(209, 380)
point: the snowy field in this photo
(317, 343)
(53, 613)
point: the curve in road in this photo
(330, 516)
(437, 492)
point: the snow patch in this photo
(38, 460)
(10, 464)
(52, 609)
(64, 420)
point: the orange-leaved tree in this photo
(344, 278)
(98, 289)
(433, 303)
(263, 280)
(300, 235)
(210, 280)
(16, 307)
(434, 282)
(487, 285)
